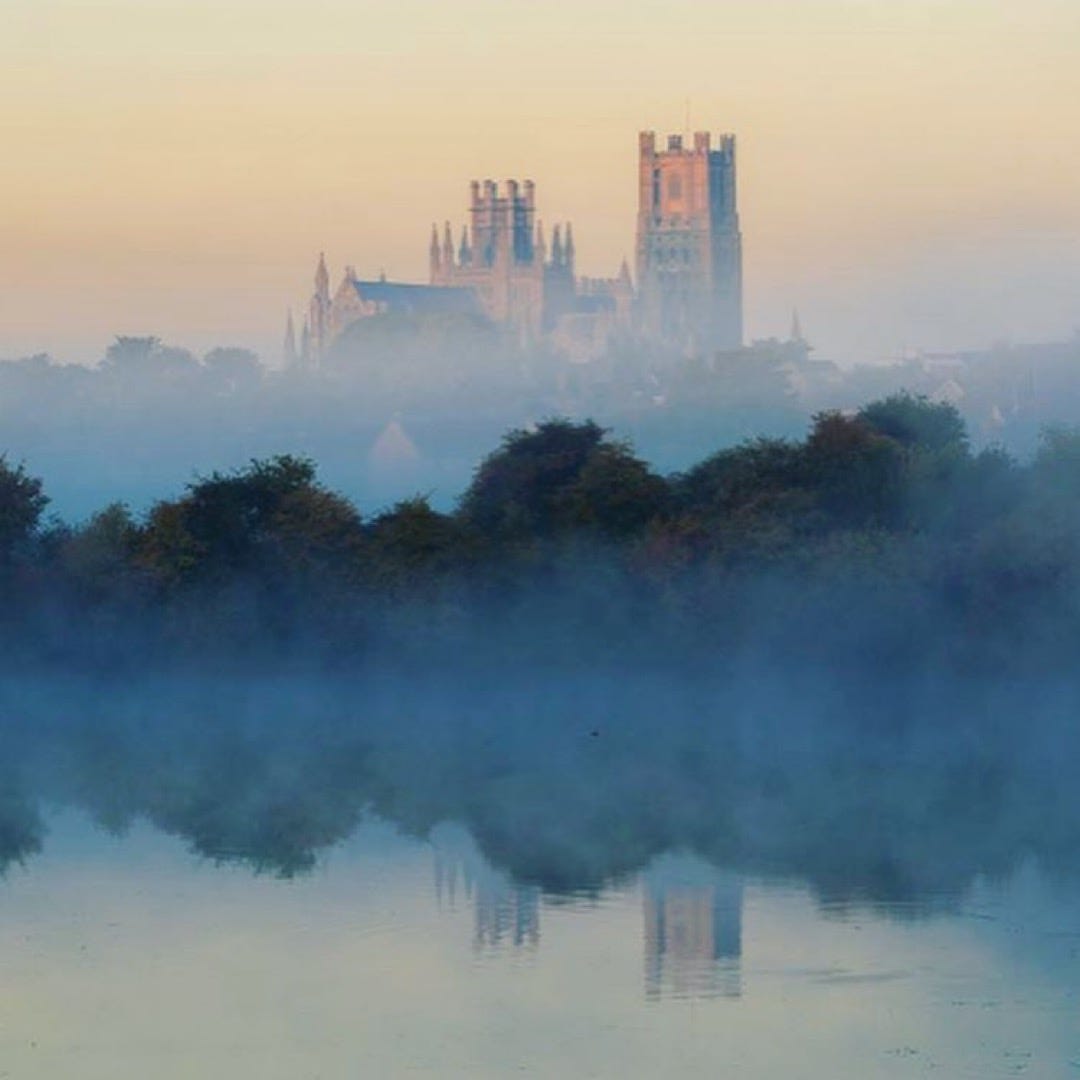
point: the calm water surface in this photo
(575, 877)
(129, 956)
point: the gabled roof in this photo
(400, 298)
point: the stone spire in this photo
(464, 251)
(319, 314)
(434, 255)
(289, 354)
(305, 344)
(322, 279)
(448, 246)
(569, 250)
(540, 244)
(556, 247)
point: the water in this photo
(283, 880)
(130, 957)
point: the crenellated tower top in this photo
(689, 244)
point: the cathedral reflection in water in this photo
(692, 917)
(505, 914)
(693, 929)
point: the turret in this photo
(569, 250)
(556, 247)
(305, 344)
(448, 247)
(322, 279)
(435, 270)
(289, 354)
(464, 252)
(541, 245)
(319, 313)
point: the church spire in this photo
(305, 344)
(322, 278)
(569, 250)
(434, 254)
(556, 247)
(540, 244)
(464, 252)
(448, 246)
(289, 353)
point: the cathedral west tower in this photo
(689, 246)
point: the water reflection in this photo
(392, 875)
(505, 914)
(127, 956)
(693, 930)
(562, 791)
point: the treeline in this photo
(880, 542)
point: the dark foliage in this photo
(879, 540)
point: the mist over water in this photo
(510, 869)
(568, 782)
(404, 699)
(787, 718)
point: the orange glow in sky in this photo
(909, 169)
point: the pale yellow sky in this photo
(909, 169)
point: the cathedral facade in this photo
(503, 270)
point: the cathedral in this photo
(502, 269)
(689, 245)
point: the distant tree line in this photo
(877, 542)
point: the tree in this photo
(616, 493)
(272, 518)
(232, 368)
(412, 546)
(131, 355)
(916, 423)
(147, 357)
(755, 472)
(560, 477)
(855, 472)
(98, 557)
(1057, 461)
(22, 503)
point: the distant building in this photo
(689, 244)
(502, 269)
(503, 259)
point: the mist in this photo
(400, 408)
(844, 658)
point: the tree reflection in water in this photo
(559, 794)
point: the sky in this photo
(909, 170)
